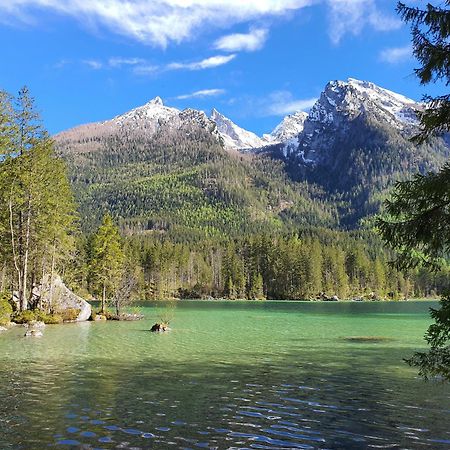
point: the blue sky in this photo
(254, 60)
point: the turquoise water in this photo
(257, 375)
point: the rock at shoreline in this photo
(3, 329)
(100, 317)
(59, 298)
(324, 297)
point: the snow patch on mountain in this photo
(401, 107)
(154, 110)
(290, 127)
(234, 136)
(355, 97)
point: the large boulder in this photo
(58, 298)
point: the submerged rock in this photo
(33, 333)
(368, 339)
(3, 329)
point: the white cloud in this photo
(250, 42)
(208, 63)
(93, 64)
(353, 16)
(396, 54)
(142, 67)
(161, 22)
(202, 93)
(282, 103)
(156, 22)
(119, 62)
(146, 69)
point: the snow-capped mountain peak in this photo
(234, 136)
(401, 107)
(346, 106)
(156, 101)
(148, 114)
(354, 97)
(291, 126)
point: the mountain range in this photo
(161, 169)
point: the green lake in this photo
(248, 375)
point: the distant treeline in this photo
(314, 265)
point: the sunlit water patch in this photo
(229, 375)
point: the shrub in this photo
(52, 319)
(24, 316)
(70, 314)
(5, 308)
(48, 319)
(36, 315)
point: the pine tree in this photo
(430, 36)
(106, 266)
(7, 125)
(256, 288)
(417, 219)
(315, 268)
(37, 210)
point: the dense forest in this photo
(183, 183)
(316, 264)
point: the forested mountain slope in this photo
(180, 179)
(158, 169)
(356, 143)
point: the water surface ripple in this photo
(236, 375)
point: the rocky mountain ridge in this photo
(337, 162)
(340, 102)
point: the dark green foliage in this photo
(37, 211)
(188, 189)
(430, 37)
(28, 316)
(416, 223)
(417, 220)
(106, 264)
(275, 267)
(436, 361)
(5, 308)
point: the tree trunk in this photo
(13, 246)
(52, 273)
(103, 298)
(2, 285)
(24, 299)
